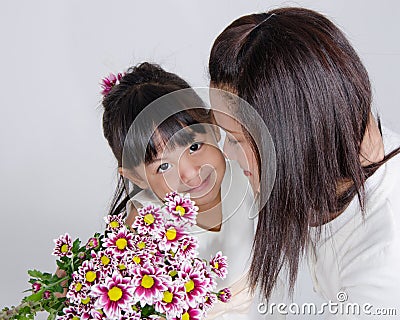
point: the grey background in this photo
(57, 173)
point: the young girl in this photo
(163, 138)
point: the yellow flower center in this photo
(78, 287)
(105, 260)
(64, 248)
(189, 286)
(148, 218)
(136, 259)
(85, 301)
(122, 267)
(181, 210)
(114, 224)
(173, 273)
(171, 233)
(216, 265)
(114, 294)
(147, 282)
(141, 245)
(167, 296)
(121, 243)
(172, 253)
(75, 318)
(185, 316)
(90, 276)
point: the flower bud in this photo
(224, 295)
(46, 294)
(36, 287)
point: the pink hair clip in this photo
(109, 82)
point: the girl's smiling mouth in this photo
(203, 186)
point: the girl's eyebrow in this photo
(165, 155)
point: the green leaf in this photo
(35, 297)
(35, 273)
(58, 288)
(147, 310)
(75, 246)
(62, 265)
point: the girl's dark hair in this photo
(135, 135)
(303, 77)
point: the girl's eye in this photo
(163, 167)
(195, 146)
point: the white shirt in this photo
(359, 258)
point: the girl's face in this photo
(197, 168)
(236, 145)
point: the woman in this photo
(337, 170)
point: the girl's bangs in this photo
(176, 131)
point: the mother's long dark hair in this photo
(300, 73)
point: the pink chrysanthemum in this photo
(209, 301)
(87, 273)
(96, 314)
(144, 244)
(78, 289)
(187, 249)
(195, 284)
(219, 265)
(85, 307)
(203, 269)
(172, 302)
(135, 259)
(63, 246)
(104, 261)
(114, 222)
(224, 295)
(93, 243)
(171, 237)
(69, 313)
(181, 208)
(191, 314)
(119, 242)
(109, 82)
(149, 220)
(170, 196)
(150, 283)
(113, 295)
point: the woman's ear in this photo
(134, 177)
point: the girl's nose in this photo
(189, 171)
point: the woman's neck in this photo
(371, 151)
(372, 148)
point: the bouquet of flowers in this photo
(147, 271)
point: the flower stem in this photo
(57, 282)
(8, 314)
